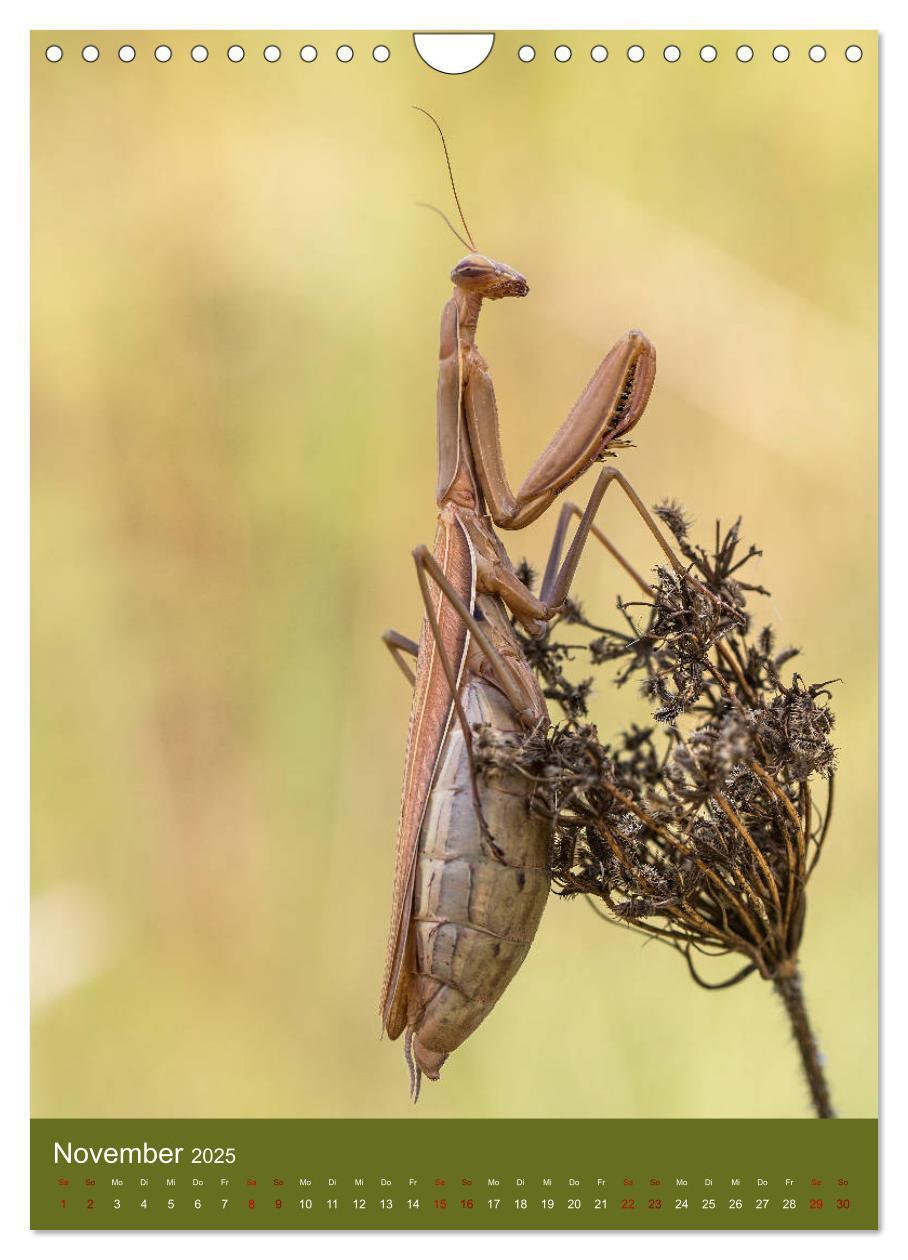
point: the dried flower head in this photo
(701, 830)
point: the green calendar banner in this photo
(453, 1174)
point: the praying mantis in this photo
(472, 863)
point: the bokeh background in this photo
(234, 331)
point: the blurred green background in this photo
(234, 332)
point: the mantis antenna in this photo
(426, 206)
(469, 242)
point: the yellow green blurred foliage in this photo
(234, 331)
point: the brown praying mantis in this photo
(472, 867)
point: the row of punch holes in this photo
(200, 53)
(526, 53)
(672, 53)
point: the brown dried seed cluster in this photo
(703, 829)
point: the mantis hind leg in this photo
(398, 644)
(428, 567)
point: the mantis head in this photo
(475, 273)
(489, 279)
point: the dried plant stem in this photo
(788, 987)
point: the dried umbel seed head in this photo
(701, 830)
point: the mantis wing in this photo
(430, 717)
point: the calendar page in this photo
(453, 544)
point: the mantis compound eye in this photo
(473, 272)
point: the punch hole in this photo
(308, 53)
(562, 53)
(271, 53)
(780, 53)
(599, 52)
(526, 52)
(671, 52)
(744, 53)
(817, 53)
(453, 52)
(90, 53)
(199, 52)
(635, 53)
(53, 52)
(708, 53)
(854, 52)
(162, 53)
(345, 53)
(236, 53)
(126, 53)
(381, 52)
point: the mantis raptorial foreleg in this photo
(609, 406)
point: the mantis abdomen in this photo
(476, 904)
